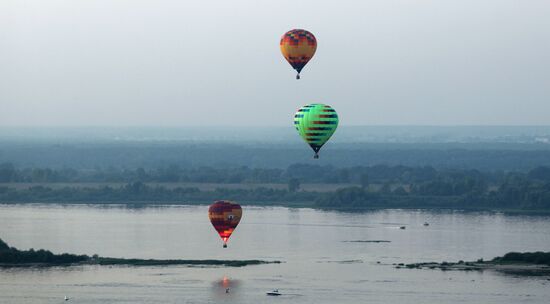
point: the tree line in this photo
(140, 193)
(458, 190)
(11, 255)
(539, 257)
(452, 190)
(306, 173)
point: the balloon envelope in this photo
(316, 123)
(225, 216)
(298, 47)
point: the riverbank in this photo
(13, 257)
(141, 262)
(526, 263)
(349, 199)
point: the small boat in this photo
(402, 227)
(66, 298)
(275, 292)
(426, 224)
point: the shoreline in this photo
(518, 263)
(11, 257)
(143, 262)
(516, 269)
(296, 205)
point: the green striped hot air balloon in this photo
(316, 123)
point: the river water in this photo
(321, 265)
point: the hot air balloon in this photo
(225, 216)
(298, 46)
(316, 123)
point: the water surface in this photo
(320, 264)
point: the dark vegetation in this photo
(138, 193)
(539, 258)
(12, 257)
(517, 263)
(150, 262)
(377, 187)
(474, 175)
(460, 191)
(293, 174)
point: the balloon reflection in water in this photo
(224, 287)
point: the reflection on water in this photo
(226, 287)
(329, 257)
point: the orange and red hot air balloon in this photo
(298, 47)
(225, 216)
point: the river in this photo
(320, 264)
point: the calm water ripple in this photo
(321, 264)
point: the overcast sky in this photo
(210, 62)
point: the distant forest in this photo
(152, 155)
(375, 187)
(306, 173)
(348, 176)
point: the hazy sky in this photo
(210, 62)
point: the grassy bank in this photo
(520, 263)
(521, 198)
(13, 257)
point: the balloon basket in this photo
(224, 245)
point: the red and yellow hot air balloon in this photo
(225, 216)
(298, 47)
